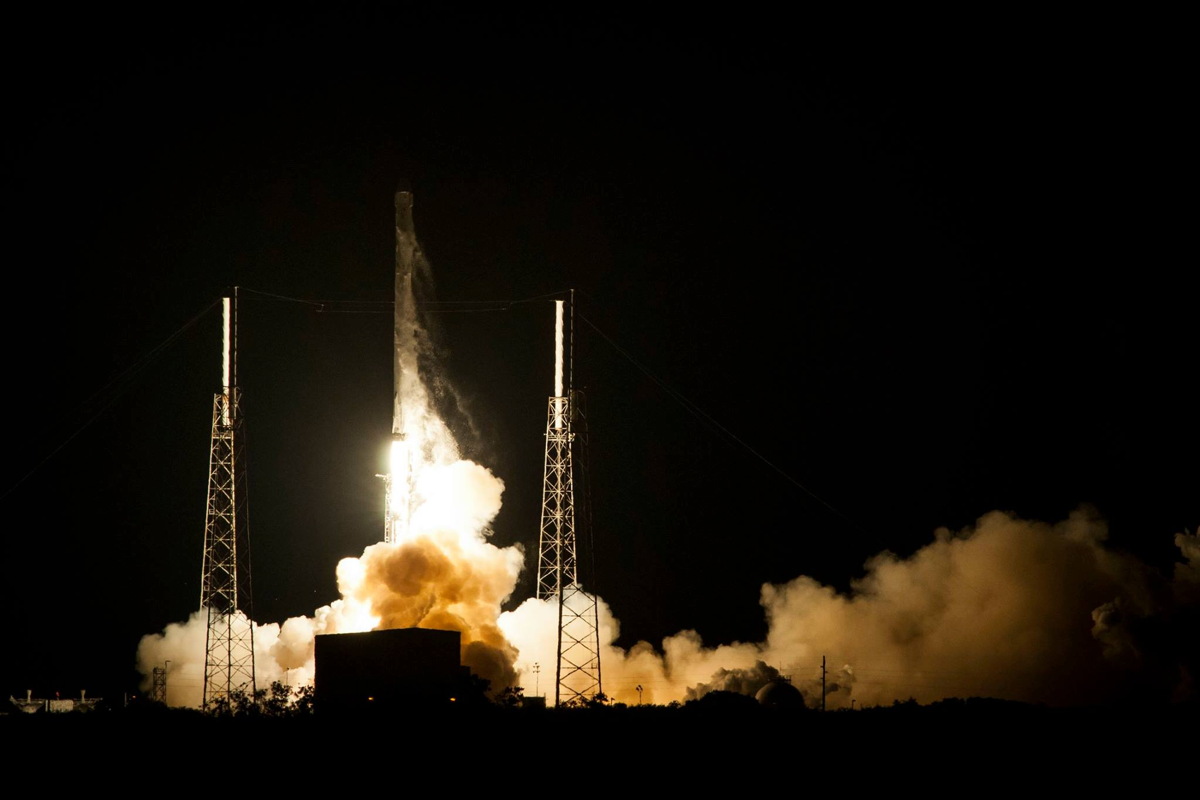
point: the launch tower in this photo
(577, 677)
(225, 593)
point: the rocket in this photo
(398, 500)
(408, 251)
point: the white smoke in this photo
(443, 575)
(1008, 608)
(438, 570)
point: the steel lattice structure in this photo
(225, 593)
(557, 562)
(158, 690)
(577, 678)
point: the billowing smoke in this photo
(739, 681)
(445, 575)
(435, 568)
(1008, 608)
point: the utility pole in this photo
(822, 683)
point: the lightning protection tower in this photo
(577, 677)
(225, 593)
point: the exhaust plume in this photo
(1007, 608)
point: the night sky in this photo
(829, 298)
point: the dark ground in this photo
(634, 747)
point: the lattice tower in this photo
(225, 593)
(577, 673)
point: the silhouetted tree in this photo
(511, 697)
(722, 701)
(279, 700)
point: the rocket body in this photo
(420, 437)
(408, 252)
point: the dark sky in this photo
(830, 297)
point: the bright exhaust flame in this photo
(398, 491)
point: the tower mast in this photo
(578, 662)
(225, 593)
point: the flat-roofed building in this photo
(403, 669)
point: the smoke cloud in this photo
(1008, 608)
(444, 575)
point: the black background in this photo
(832, 291)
